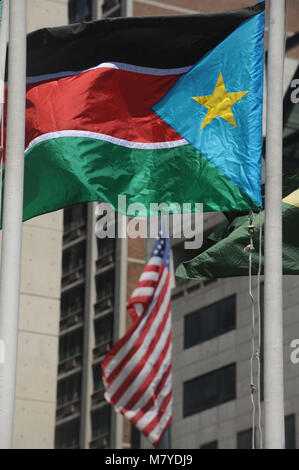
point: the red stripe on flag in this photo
(152, 267)
(104, 100)
(149, 283)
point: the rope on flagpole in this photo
(258, 352)
(255, 352)
(250, 248)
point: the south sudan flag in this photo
(160, 109)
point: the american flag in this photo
(137, 370)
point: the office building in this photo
(60, 351)
(211, 321)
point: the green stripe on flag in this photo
(69, 170)
(227, 258)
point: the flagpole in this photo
(165, 442)
(12, 217)
(273, 316)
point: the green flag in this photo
(226, 256)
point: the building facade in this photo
(97, 279)
(211, 321)
(61, 345)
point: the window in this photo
(69, 390)
(210, 321)
(97, 378)
(112, 8)
(290, 431)
(72, 301)
(135, 437)
(105, 246)
(80, 10)
(210, 390)
(103, 329)
(104, 285)
(73, 258)
(74, 217)
(100, 420)
(244, 439)
(67, 435)
(210, 445)
(70, 345)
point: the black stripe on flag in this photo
(159, 41)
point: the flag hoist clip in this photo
(250, 229)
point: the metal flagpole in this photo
(12, 217)
(273, 319)
(165, 442)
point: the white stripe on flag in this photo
(155, 261)
(111, 65)
(139, 309)
(143, 292)
(149, 276)
(105, 138)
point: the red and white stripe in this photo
(137, 370)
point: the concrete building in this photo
(96, 279)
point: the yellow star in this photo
(220, 103)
